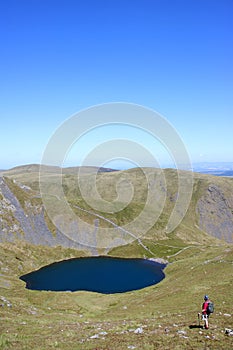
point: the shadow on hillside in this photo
(195, 326)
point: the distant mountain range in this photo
(214, 168)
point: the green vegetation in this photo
(131, 204)
(157, 317)
(84, 320)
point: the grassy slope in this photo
(54, 320)
(107, 187)
(49, 320)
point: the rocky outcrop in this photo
(30, 224)
(22, 216)
(215, 213)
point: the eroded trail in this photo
(115, 226)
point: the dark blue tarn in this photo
(97, 274)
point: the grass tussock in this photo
(163, 316)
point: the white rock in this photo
(139, 330)
(94, 336)
(228, 331)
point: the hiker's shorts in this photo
(204, 317)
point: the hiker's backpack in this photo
(210, 308)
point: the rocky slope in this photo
(215, 212)
(27, 222)
(22, 214)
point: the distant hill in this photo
(214, 168)
(35, 168)
(218, 172)
(209, 217)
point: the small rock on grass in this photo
(228, 331)
(95, 336)
(139, 330)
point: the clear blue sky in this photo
(60, 56)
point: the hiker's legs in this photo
(205, 319)
(207, 322)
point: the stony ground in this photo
(163, 316)
(31, 327)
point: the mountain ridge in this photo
(209, 216)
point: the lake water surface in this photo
(97, 274)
